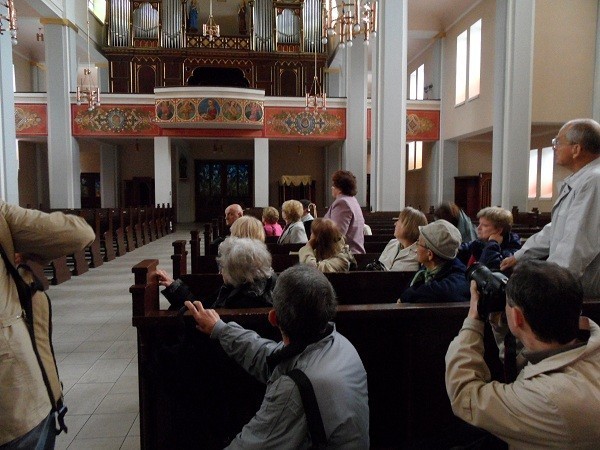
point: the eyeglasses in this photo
(556, 144)
(422, 245)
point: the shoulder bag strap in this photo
(311, 408)
(25, 295)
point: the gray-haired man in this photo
(304, 304)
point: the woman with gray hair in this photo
(248, 278)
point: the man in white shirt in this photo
(571, 239)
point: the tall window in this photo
(98, 8)
(468, 63)
(541, 172)
(415, 155)
(417, 84)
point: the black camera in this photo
(491, 287)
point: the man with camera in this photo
(555, 400)
(303, 305)
(571, 240)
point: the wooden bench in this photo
(402, 348)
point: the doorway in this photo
(219, 184)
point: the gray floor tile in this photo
(84, 398)
(107, 426)
(131, 443)
(97, 444)
(126, 384)
(105, 370)
(127, 402)
(74, 423)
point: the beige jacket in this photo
(24, 401)
(338, 263)
(554, 403)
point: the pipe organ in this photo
(151, 44)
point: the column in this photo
(513, 69)
(108, 176)
(388, 114)
(596, 98)
(9, 164)
(261, 172)
(333, 162)
(355, 147)
(162, 171)
(63, 151)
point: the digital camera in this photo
(491, 287)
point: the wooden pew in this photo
(207, 263)
(351, 288)
(402, 348)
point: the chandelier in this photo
(349, 20)
(11, 19)
(87, 79)
(210, 28)
(316, 97)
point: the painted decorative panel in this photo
(209, 113)
(113, 120)
(31, 120)
(295, 122)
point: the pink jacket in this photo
(273, 229)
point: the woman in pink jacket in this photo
(345, 210)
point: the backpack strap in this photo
(311, 408)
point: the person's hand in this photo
(164, 279)
(496, 237)
(206, 319)
(473, 313)
(507, 263)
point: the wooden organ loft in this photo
(266, 45)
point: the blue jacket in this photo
(490, 253)
(448, 285)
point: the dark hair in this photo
(550, 297)
(345, 181)
(304, 302)
(329, 240)
(585, 132)
(448, 211)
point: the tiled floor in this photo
(96, 349)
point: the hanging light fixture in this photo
(39, 36)
(316, 97)
(210, 28)
(355, 19)
(87, 79)
(11, 19)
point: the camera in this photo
(491, 287)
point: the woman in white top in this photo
(401, 253)
(294, 232)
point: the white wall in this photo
(564, 56)
(476, 114)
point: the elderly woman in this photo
(248, 279)
(270, 218)
(248, 227)
(326, 250)
(400, 255)
(442, 276)
(294, 232)
(345, 210)
(494, 242)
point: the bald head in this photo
(233, 213)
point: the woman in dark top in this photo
(248, 279)
(494, 242)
